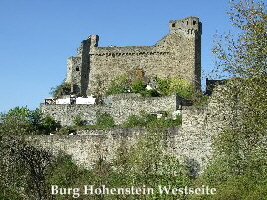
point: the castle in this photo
(177, 54)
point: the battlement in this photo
(188, 26)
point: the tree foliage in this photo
(244, 55)
(163, 87)
(22, 121)
(23, 169)
(240, 150)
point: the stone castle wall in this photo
(172, 56)
(189, 145)
(66, 113)
(178, 54)
(119, 106)
(190, 142)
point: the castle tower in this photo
(78, 67)
(191, 28)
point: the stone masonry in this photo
(119, 106)
(190, 146)
(177, 54)
(190, 142)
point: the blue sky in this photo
(37, 36)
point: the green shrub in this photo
(133, 121)
(115, 89)
(118, 85)
(66, 130)
(63, 89)
(103, 121)
(138, 86)
(49, 124)
(150, 93)
(163, 85)
(150, 120)
(182, 87)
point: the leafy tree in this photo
(22, 169)
(22, 121)
(244, 55)
(240, 150)
(18, 121)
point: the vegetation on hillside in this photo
(105, 121)
(28, 172)
(238, 170)
(151, 121)
(163, 87)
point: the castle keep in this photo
(177, 54)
